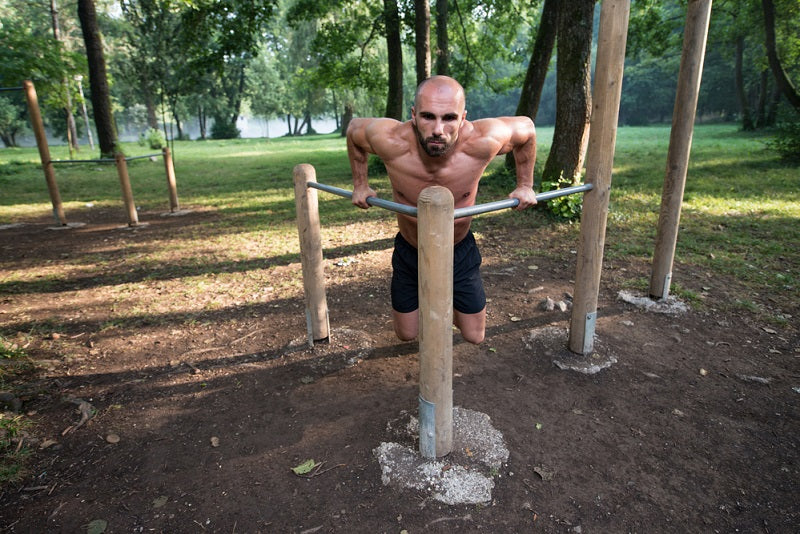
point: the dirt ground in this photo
(197, 417)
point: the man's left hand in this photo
(525, 195)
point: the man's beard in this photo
(433, 151)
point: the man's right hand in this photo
(361, 194)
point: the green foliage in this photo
(568, 207)
(222, 129)
(11, 121)
(786, 141)
(153, 138)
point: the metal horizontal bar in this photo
(145, 156)
(103, 160)
(372, 201)
(469, 211)
(3, 89)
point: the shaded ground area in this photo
(198, 415)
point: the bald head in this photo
(440, 87)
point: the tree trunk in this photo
(741, 93)
(442, 40)
(538, 66)
(394, 96)
(772, 110)
(149, 104)
(761, 107)
(573, 91)
(98, 81)
(781, 78)
(346, 118)
(201, 121)
(422, 29)
(72, 131)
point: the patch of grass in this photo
(739, 218)
(13, 453)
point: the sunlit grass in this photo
(739, 219)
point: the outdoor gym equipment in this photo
(121, 162)
(435, 214)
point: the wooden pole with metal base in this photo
(308, 228)
(435, 244)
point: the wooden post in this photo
(171, 184)
(125, 185)
(680, 144)
(44, 151)
(435, 243)
(308, 228)
(612, 37)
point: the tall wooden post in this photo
(680, 144)
(44, 151)
(125, 185)
(435, 243)
(612, 37)
(171, 183)
(308, 228)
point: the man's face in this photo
(437, 118)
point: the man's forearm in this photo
(525, 159)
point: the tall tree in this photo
(394, 46)
(72, 130)
(98, 79)
(539, 64)
(573, 91)
(442, 40)
(781, 77)
(422, 31)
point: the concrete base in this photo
(176, 213)
(669, 305)
(553, 340)
(68, 226)
(465, 476)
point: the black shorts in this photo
(468, 293)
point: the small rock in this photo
(112, 438)
(214, 441)
(703, 372)
(547, 304)
(627, 323)
(55, 335)
(562, 306)
(678, 412)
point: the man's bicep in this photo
(357, 134)
(522, 131)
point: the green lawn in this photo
(739, 219)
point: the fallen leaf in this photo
(543, 472)
(305, 467)
(47, 443)
(98, 526)
(515, 319)
(539, 426)
(769, 330)
(112, 438)
(161, 501)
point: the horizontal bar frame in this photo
(459, 213)
(104, 160)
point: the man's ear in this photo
(413, 113)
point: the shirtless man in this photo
(438, 146)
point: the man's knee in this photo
(473, 336)
(406, 325)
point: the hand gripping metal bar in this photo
(469, 211)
